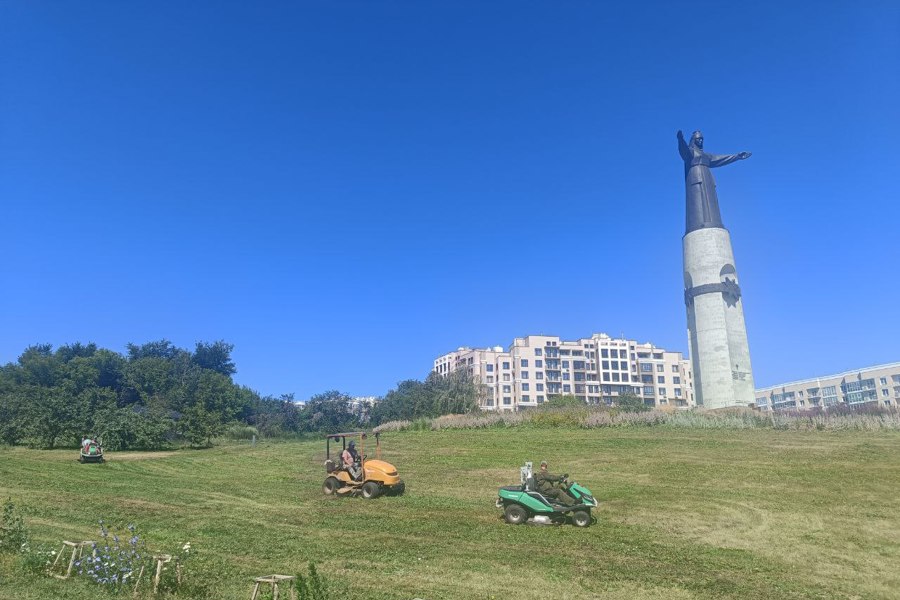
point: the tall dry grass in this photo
(591, 417)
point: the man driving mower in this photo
(553, 486)
(350, 458)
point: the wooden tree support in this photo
(161, 561)
(274, 580)
(77, 551)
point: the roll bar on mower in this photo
(358, 435)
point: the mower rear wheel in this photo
(371, 489)
(515, 514)
(581, 518)
(331, 486)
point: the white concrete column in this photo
(717, 333)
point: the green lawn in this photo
(683, 514)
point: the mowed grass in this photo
(684, 514)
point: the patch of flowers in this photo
(116, 560)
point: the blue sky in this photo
(345, 190)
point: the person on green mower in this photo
(553, 486)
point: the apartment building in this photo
(880, 384)
(595, 369)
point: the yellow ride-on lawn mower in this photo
(368, 477)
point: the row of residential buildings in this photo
(600, 368)
(597, 369)
(879, 384)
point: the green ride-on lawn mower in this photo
(522, 503)
(91, 450)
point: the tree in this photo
(210, 402)
(328, 411)
(215, 356)
(628, 402)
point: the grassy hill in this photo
(685, 513)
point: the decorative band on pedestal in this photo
(730, 290)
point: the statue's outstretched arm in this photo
(720, 160)
(683, 149)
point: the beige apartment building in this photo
(879, 384)
(595, 369)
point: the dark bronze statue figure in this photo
(700, 187)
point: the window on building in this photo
(604, 364)
(605, 376)
(507, 400)
(614, 353)
(524, 362)
(490, 379)
(537, 352)
(662, 392)
(579, 389)
(489, 368)
(538, 364)
(524, 387)
(565, 364)
(646, 378)
(565, 375)
(648, 390)
(507, 389)
(604, 353)
(676, 380)
(883, 381)
(615, 377)
(506, 366)
(678, 392)
(567, 389)
(539, 387)
(674, 368)
(540, 399)
(660, 368)
(526, 398)
(884, 392)
(660, 379)
(506, 377)
(524, 374)
(539, 375)
(646, 368)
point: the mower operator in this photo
(350, 458)
(552, 486)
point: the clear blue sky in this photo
(347, 189)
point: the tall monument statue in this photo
(715, 316)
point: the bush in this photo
(311, 586)
(241, 432)
(13, 534)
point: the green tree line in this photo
(156, 395)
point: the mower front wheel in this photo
(581, 518)
(371, 489)
(331, 486)
(515, 514)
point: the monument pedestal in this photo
(717, 335)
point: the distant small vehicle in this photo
(522, 503)
(91, 451)
(376, 477)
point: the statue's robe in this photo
(700, 187)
